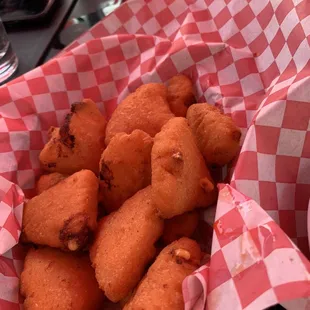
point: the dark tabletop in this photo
(35, 44)
(31, 43)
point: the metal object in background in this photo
(15, 11)
(76, 26)
(8, 59)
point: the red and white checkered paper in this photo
(251, 58)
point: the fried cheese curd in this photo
(183, 225)
(180, 94)
(53, 279)
(47, 181)
(65, 215)
(124, 245)
(180, 179)
(78, 143)
(146, 109)
(216, 134)
(161, 288)
(125, 168)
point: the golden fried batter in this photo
(161, 288)
(47, 181)
(64, 215)
(180, 178)
(146, 109)
(180, 94)
(78, 143)
(179, 226)
(52, 279)
(124, 245)
(125, 168)
(216, 134)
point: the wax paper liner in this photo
(250, 58)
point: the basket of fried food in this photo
(119, 201)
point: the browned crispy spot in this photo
(59, 150)
(65, 137)
(50, 131)
(106, 175)
(51, 165)
(75, 232)
(76, 106)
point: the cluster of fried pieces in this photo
(149, 164)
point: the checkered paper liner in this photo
(252, 59)
(253, 264)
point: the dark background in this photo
(36, 42)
